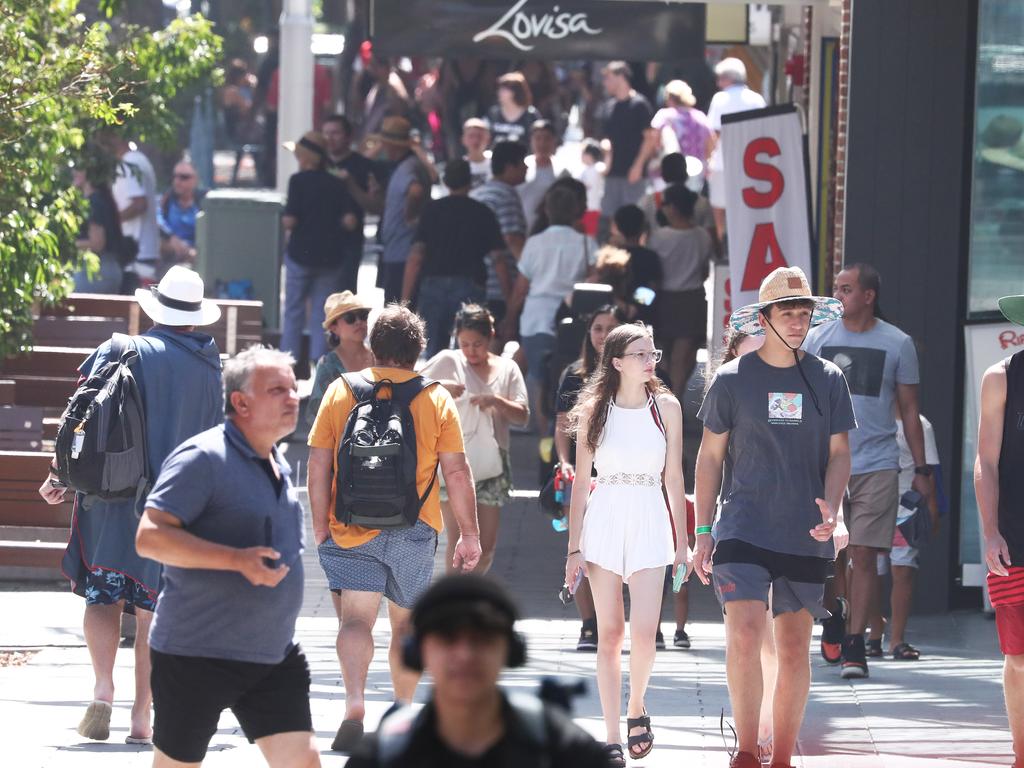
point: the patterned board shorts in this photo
(397, 563)
(103, 587)
(493, 492)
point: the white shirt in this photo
(480, 171)
(735, 98)
(531, 191)
(592, 177)
(136, 178)
(931, 453)
(553, 261)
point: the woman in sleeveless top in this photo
(346, 318)
(630, 427)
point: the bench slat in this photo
(32, 554)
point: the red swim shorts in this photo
(1007, 596)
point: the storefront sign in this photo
(766, 197)
(545, 29)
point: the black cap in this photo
(464, 601)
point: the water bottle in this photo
(559, 493)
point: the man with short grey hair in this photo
(224, 520)
(733, 97)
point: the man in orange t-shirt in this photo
(363, 565)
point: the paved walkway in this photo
(944, 711)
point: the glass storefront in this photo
(996, 259)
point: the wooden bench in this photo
(240, 323)
(21, 507)
(21, 428)
(44, 376)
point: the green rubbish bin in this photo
(239, 240)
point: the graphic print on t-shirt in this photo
(786, 408)
(863, 367)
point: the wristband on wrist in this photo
(703, 529)
(574, 552)
(469, 535)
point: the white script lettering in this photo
(523, 29)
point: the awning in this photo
(649, 30)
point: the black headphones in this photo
(456, 600)
(412, 656)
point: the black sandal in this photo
(616, 758)
(905, 652)
(644, 721)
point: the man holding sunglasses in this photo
(224, 520)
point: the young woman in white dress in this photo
(630, 427)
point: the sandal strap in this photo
(638, 722)
(640, 738)
(613, 748)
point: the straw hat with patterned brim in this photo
(784, 284)
(394, 130)
(338, 304)
(1012, 308)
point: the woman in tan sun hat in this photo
(345, 321)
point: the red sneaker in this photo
(744, 760)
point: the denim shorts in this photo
(397, 563)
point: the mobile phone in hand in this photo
(677, 580)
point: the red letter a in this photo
(764, 257)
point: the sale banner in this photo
(767, 213)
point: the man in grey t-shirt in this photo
(880, 364)
(224, 520)
(777, 420)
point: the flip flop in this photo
(141, 740)
(95, 723)
(350, 733)
(905, 652)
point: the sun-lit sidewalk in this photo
(943, 711)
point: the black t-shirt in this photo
(102, 214)
(624, 124)
(644, 272)
(511, 130)
(457, 233)
(568, 746)
(360, 168)
(318, 200)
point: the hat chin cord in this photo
(796, 356)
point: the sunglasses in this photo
(355, 316)
(184, 176)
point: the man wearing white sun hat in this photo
(178, 375)
(777, 420)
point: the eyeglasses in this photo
(355, 316)
(646, 357)
(184, 176)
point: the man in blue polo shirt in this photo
(224, 520)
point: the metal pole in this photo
(295, 84)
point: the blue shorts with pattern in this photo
(397, 563)
(104, 587)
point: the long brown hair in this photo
(602, 385)
(589, 356)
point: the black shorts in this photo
(190, 692)
(742, 571)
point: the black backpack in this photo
(101, 441)
(376, 482)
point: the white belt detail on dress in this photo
(630, 478)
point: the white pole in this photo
(295, 87)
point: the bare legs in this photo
(744, 630)
(357, 613)
(294, 749)
(102, 628)
(645, 589)
(490, 520)
(792, 640)
(1013, 691)
(770, 673)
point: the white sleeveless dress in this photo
(627, 526)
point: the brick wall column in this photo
(841, 137)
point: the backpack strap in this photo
(405, 393)
(361, 387)
(656, 414)
(660, 423)
(120, 345)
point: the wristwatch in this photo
(924, 470)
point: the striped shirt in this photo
(503, 199)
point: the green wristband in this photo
(703, 529)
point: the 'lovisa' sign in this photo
(539, 29)
(523, 30)
(766, 197)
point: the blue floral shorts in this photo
(103, 587)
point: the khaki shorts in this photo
(874, 499)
